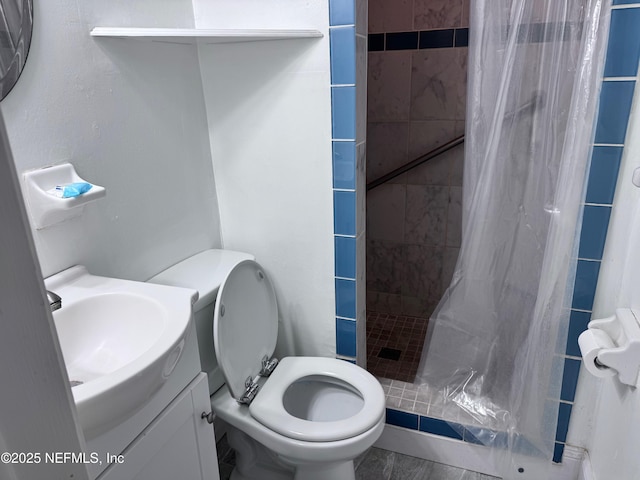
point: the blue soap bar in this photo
(71, 190)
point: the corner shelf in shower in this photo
(201, 35)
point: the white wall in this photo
(130, 116)
(269, 110)
(606, 415)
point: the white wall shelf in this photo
(202, 36)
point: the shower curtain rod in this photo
(537, 100)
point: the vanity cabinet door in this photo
(179, 444)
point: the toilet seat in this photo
(245, 328)
(268, 407)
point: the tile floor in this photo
(399, 338)
(376, 464)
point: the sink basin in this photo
(120, 341)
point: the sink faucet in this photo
(55, 302)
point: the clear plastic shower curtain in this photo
(493, 351)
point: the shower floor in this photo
(394, 345)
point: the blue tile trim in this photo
(570, 379)
(344, 165)
(564, 414)
(577, 324)
(461, 37)
(402, 41)
(376, 42)
(342, 12)
(441, 427)
(624, 2)
(346, 299)
(345, 253)
(402, 419)
(344, 213)
(437, 39)
(624, 44)
(585, 286)
(603, 176)
(345, 337)
(558, 451)
(343, 113)
(343, 55)
(594, 231)
(613, 117)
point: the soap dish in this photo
(46, 209)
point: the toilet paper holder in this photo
(618, 339)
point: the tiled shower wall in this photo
(416, 102)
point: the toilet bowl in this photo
(302, 417)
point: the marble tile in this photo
(361, 187)
(377, 465)
(386, 212)
(424, 136)
(361, 301)
(423, 272)
(383, 302)
(426, 210)
(466, 13)
(457, 166)
(454, 217)
(434, 14)
(361, 88)
(388, 143)
(362, 21)
(422, 306)
(410, 468)
(385, 266)
(390, 16)
(438, 84)
(433, 172)
(389, 86)
(449, 266)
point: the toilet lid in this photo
(245, 324)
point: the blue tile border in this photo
(624, 44)
(570, 379)
(402, 419)
(344, 212)
(401, 41)
(564, 414)
(603, 176)
(438, 38)
(595, 223)
(441, 428)
(585, 286)
(345, 299)
(343, 55)
(577, 324)
(346, 337)
(345, 253)
(342, 12)
(414, 40)
(615, 107)
(343, 113)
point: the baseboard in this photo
(477, 458)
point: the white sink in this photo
(120, 341)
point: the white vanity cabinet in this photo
(178, 444)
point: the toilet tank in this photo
(204, 272)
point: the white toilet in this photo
(305, 418)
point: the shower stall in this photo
(497, 316)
